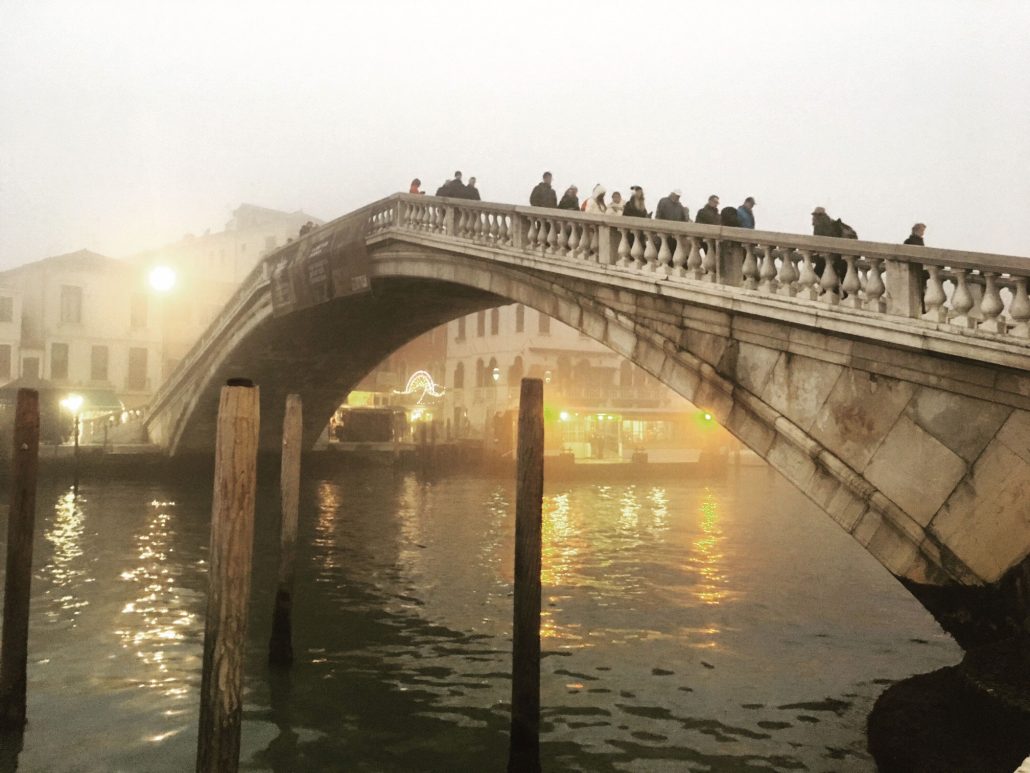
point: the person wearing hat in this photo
(636, 207)
(595, 204)
(670, 208)
(746, 213)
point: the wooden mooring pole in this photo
(280, 645)
(524, 749)
(229, 566)
(21, 523)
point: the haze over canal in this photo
(721, 625)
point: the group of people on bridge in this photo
(669, 207)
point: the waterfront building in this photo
(209, 268)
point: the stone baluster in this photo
(493, 217)
(575, 229)
(664, 261)
(709, 259)
(461, 220)
(808, 280)
(438, 218)
(750, 268)
(991, 306)
(637, 251)
(694, 270)
(935, 297)
(503, 233)
(1019, 309)
(875, 288)
(829, 282)
(595, 242)
(623, 249)
(534, 225)
(480, 226)
(851, 284)
(650, 253)
(679, 258)
(962, 300)
(788, 273)
(563, 237)
(767, 270)
(552, 237)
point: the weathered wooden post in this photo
(524, 749)
(280, 646)
(21, 523)
(229, 562)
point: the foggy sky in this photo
(126, 125)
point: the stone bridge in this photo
(890, 384)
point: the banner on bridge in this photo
(330, 262)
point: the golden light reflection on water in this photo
(325, 541)
(707, 558)
(155, 622)
(64, 569)
(558, 566)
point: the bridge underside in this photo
(923, 458)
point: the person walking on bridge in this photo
(595, 204)
(916, 237)
(746, 213)
(543, 194)
(616, 205)
(454, 189)
(636, 207)
(709, 213)
(416, 187)
(571, 198)
(670, 208)
(471, 191)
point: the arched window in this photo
(480, 323)
(495, 321)
(516, 372)
(459, 376)
(480, 373)
(520, 318)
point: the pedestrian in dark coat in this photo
(729, 217)
(636, 207)
(670, 208)
(916, 237)
(746, 213)
(824, 225)
(571, 198)
(543, 194)
(471, 191)
(455, 188)
(709, 213)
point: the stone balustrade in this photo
(979, 293)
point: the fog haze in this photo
(128, 125)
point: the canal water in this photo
(712, 626)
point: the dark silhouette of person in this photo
(543, 194)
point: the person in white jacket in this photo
(595, 204)
(616, 205)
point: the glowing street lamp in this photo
(73, 403)
(496, 375)
(162, 279)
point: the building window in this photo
(137, 368)
(30, 367)
(516, 371)
(71, 303)
(5, 360)
(58, 361)
(459, 376)
(138, 311)
(543, 324)
(495, 321)
(6, 308)
(480, 373)
(520, 318)
(98, 363)
(481, 323)
(461, 329)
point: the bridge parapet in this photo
(979, 293)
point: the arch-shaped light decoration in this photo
(421, 383)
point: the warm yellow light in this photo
(708, 416)
(563, 416)
(72, 402)
(162, 279)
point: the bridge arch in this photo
(869, 431)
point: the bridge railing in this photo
(972, 291)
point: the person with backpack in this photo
(824, 225)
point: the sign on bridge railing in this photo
(328, 263)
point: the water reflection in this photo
(66, 569)
(154, 623)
